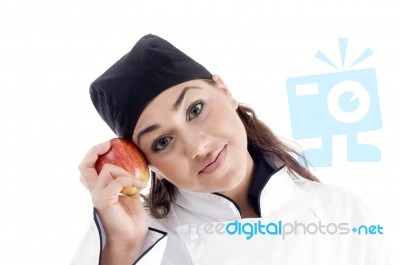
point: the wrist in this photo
(126, 240)
(121, 252)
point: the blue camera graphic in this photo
(330, 104)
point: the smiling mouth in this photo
(214, 162)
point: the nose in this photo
(196, 144)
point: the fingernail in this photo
(142, 184)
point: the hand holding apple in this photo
(125, 154)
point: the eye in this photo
(161, 143)
(195, 110)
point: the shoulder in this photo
(338, 201)
(329, 191)
(336, 193)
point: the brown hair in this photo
(258, 134)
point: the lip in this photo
(214, 161)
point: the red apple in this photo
(125, 154)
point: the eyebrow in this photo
(175, 107)
(179, 101)
(147, 130)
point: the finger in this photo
(90, 158)
(111, 172)
(82, 180)
(88, 174)
(88, 179)
(127, 181)
(110, 194)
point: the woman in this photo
(224, 189)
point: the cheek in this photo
(223, 117)
(232, 125)
(165, 165)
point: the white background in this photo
(50, 51)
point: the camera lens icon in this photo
(343, 103)
(348, 101)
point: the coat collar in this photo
(215, 207)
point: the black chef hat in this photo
(152, 66)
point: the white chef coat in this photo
(196, 229)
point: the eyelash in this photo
(154, 147)
(199, 102)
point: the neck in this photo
(239, 193)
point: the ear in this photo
(219, 83)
